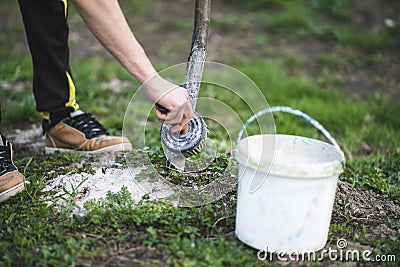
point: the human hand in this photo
(178, 107)
(174, 99)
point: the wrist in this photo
(144, 73)
(156, 87)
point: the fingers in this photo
(160, 116)
(179, 128)
(180, 112)
(179, 117)
(188, 115)
(184, 128)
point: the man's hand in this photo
(180, 110)
(173, 98)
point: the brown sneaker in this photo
(82, 132)
(11, 180)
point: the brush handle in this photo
(198, 53)
(162, 109)
(197, 57)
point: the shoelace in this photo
(87, 124)
(6, 163)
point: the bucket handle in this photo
(298, 113)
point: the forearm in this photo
(107, 22)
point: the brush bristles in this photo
(196, 150)
(190, 143)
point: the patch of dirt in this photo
(369, 214)
(27, 139)
(363, 205)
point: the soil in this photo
(362, 211)
(360, 208)
(355, 207)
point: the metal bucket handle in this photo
(298, 113)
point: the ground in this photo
(239, 31)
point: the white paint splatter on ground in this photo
(31, 137)
(84, 186)
(107, 176)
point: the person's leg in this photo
(11, 180)
(66, 127)
(47, 32)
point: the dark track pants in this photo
(47, 32)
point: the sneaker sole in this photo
(12, 191)
(114, 148)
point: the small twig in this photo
(231, 233)
(216, 223)
(137, 248)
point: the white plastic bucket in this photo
(285, 198)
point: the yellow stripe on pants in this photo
(72, 101)
(65, 7)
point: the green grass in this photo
(325, 20)
(353, 121)
(380, 172)
(369, 41)
(35, 233)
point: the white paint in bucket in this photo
(290, 207)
